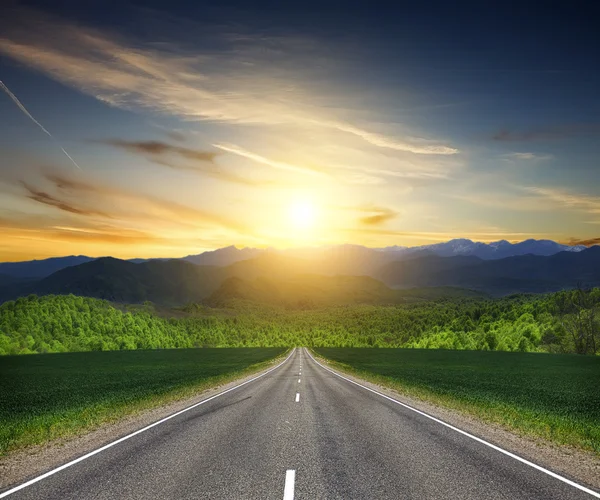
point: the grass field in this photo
(43, 397)
(550, 395)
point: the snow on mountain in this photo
(488, 251)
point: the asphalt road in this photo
(341, 441)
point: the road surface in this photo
(299, 432)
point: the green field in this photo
(554, 396)
(52, 395)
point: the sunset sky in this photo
(136, 131)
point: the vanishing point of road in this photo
(299, 432)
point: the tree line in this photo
(566, 322)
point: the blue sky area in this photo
(196, 125)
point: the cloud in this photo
(379, 215)
(528, 199)
(445, 236)
(237, 150)
(586, 242)
(124, 207)
(568, 199)
(176, 136)
(418, 146)
(204, 161)
(249, 80)
(50, 200)
(152, 148)
(556, 132)
(118, 237)
(413, 174)
(527, 157)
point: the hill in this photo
(165, 282)
(304, 291)
(334, 276)
(223, 256)
(41, 268)
(527, 273)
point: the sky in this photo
(165, 129)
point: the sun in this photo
(302, 214)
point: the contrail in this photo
(22, 108)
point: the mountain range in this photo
(489, 251)
(346, 258)
(341, 274)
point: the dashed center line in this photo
(297, 397)
(298, 380)
(290, 479)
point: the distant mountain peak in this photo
(231, 254)
(223, 256)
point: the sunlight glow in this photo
(302, 214)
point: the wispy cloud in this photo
(160, 148)
(550, 133)
(176, 136)
(203, 162)
(588, 242)
(240, 84)
(568, 199)
(28, 114)
(445, 236)
(84, 197)
(531, 157)
(237, 150)
(417, 146)
(51, 200)
(378, 215)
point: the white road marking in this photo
(297, 397)
(464, 433)
(139, 431)
(298, 380)
(290, 479)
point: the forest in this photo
(562, 322)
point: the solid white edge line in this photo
(290, 479)
(297, 397)
(464, 433)
(139, 431)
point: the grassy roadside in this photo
(45, 397)
(555, 397)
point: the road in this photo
(299, 432)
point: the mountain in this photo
(223, 256)
(304, 290)
(7, 279)
(41, 268)
(283, 279)
(488, 251)
(525, 273)
(334, 274)
(170, 282)
(336, 259)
